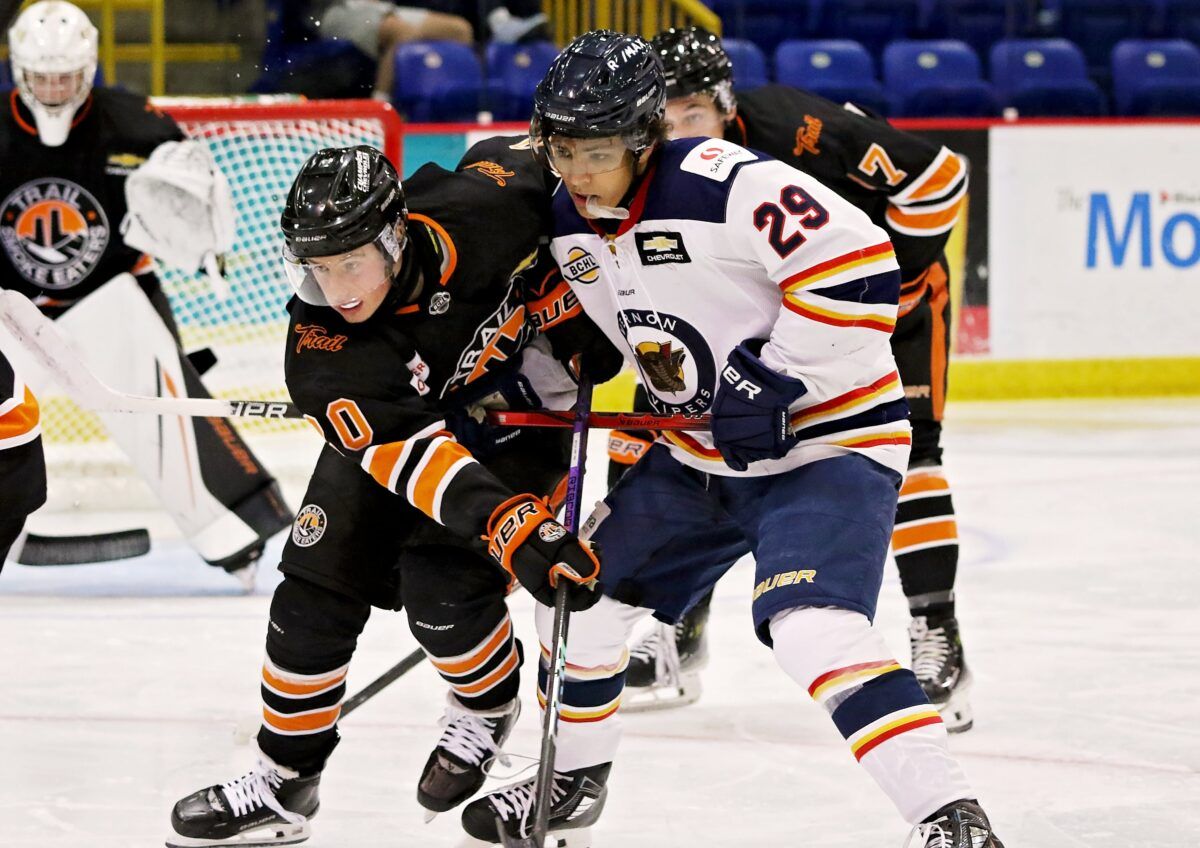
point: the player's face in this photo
(694, 116)
(54, 89)
(354, 283)
(600, 169)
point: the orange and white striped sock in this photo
(486, 675)
(925, 541)
(301, 705)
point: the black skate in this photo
(962, 824)
(464, 755)
(269, 806)
(578, 800)
(664, 667)
(941, 669)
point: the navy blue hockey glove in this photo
(750, 418)
(472, 430)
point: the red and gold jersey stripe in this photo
(689, 444)
(872, 440)
(579, 715)
(868, 321)
(847, 401)
(20, 417)
(597, 672)
(890, 726)
(855, 259)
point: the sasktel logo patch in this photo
(715, 159)
(581, 266)
(54, 232)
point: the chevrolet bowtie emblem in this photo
(660, 243)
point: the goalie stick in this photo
(45, 342)
(83, 550)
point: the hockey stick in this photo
(381, 682)
(543, 798)
(601, 420)
(82, 550)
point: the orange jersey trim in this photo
(444, 458)
(451, 250)
(22, 419)
(941, 179)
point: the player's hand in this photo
(750, 417)
(524, 537)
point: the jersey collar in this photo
(26, 121)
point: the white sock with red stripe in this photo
(876, 704)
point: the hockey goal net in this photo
(259, 147)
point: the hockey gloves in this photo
(524, 537)
(750, 417)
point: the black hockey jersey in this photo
(910, 187)
(22, 467)
(379, 390)
(62, 207)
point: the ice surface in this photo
(1079, 594)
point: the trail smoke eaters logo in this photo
(551, 531)
(581, 266)
(677, 366)
(309, 526)
(316, 337)
(662, 364)
(54, 232)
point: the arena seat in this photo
(1042, 77)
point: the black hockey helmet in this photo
(603, 83)
(342, 199)
(694, 62)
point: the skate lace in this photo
(932, 835)
(930, 649)
(516, 801)
(257, 789)
(658, 646)
(468, 736)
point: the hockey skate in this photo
(962, 824)
(271, 805)
(941, 669)
(464, 755)
(578, 801)
(664, 667)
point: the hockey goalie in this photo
(96, 185)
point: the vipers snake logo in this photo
(54, 232)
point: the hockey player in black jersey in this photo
(914, 190)
(68, 149)
(22, 463)
(409, 322)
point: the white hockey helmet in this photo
(53, 47)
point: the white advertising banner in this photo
(1094, 241)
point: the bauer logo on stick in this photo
(309, 526)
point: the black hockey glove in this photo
(483, 440)
(525, 538)
(750, 417)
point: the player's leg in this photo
(834, 518)
(218, 493)
(22, 461)
(925, 540)
(407, 23)
(455, 601)
(643, 528)
(339, 561)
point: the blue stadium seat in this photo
(872, 23)
(318, 68)
(1097, 25)
(980, 23)
(1156, 77)
(437, 81)
(835, 68)
(749, 63)
(1181, 19)
(513, 72)
(765, 22)
(1043, 77)
(937, 78)
(6, 76)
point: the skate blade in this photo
(651, 699)
(956, 712)
(429, 815)
(577, 838)
(276, 834)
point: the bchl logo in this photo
(1116, 234)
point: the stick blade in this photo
(82, 550)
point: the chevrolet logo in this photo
(661, 243)
(126, 160)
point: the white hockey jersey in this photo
(724, 244)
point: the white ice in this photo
(1079, 593)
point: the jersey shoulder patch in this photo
(716, 159)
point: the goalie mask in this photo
(53, 47)
(344, 227)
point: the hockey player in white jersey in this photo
(740, 287)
